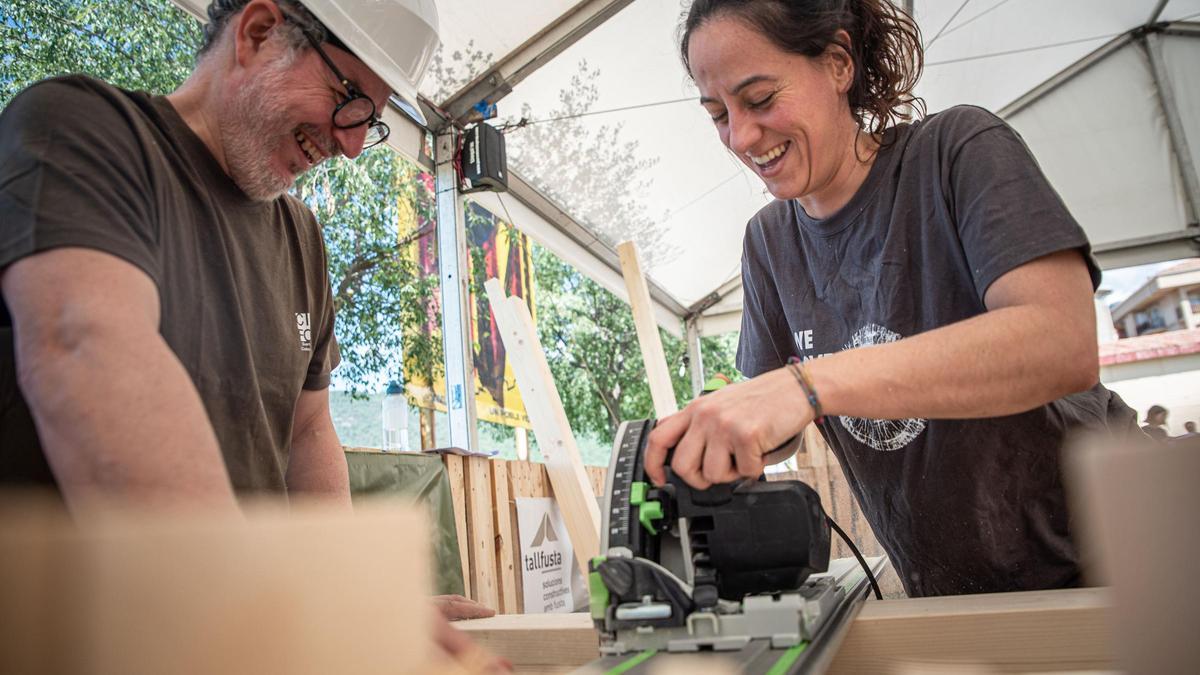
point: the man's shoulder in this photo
(76, 106)
(297, 209)
(70, 94)
(303, 219)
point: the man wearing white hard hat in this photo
(166, 331)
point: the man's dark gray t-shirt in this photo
(243, 289)
(951, 204)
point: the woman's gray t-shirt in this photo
(951, 204)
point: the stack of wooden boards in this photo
(485, 515)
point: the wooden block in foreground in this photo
(572, 489)
(530, 641)
(659, 376)
(1038, 631)
(1028, 632)
(1136, 507)
(277, 592)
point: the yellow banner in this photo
(503, 253)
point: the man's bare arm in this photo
(117, 415)
(317, 466)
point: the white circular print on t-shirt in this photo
(882, 435)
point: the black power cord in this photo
(828, 435)
(854, 549)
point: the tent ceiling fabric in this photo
(493, 29)
(1101, 138)
(1098, 161)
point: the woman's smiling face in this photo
(784, 115)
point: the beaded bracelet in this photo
(810, 392)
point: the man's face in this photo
(279, 122)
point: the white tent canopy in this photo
(1109, 145)
(1112, 114)
(1067, 75)
(991, 54)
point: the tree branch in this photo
(84, 29)
(353, 275)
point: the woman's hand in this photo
(723, 436)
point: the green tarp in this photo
(414, 477)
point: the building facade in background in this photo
(1160, 369)
(1168, 301)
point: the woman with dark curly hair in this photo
(917, 289)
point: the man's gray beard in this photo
(252, 127)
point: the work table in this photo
(1036, 631)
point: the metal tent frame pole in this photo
(1151, 43)
(454, 275)
(695, 355)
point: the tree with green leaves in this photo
(593, 351)
(135, 44)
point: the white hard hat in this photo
(394, 38)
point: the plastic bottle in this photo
(395, 419)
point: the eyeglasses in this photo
(356, 110)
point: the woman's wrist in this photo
(803, 379)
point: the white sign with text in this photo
(551, 579)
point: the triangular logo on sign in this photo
(544, 532)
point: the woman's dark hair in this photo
(885, 46)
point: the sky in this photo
(1125, 281)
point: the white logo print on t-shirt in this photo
(304, 327)
(882, 435)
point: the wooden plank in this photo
(299, 590)
(1008, 632)
(458, 495)
(518, 584)
(596, 476)
(532, 640)
(481, 532)
(516, 478)
(555, 440)
(506, 568)
(528, 479)
(661, 389)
